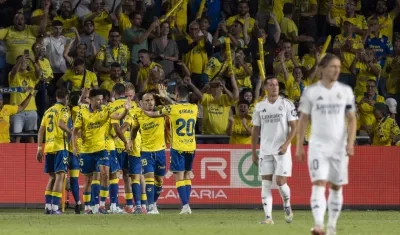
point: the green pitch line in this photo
(202, 222)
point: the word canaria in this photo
(93, 125)
(148, 126)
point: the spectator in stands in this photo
(243, 10)
(307, 21)
(82, 7)
(239, 125)
(285, 63)
(69, 20)
(234, 33)
(195, 53)
(150, 73)
(385, 18)
(115, 77)
(38, 15)
(164, 50)
(216, 107)
(217, 66)
(79, 77)
(346, 46)
(263, 14)
(204, 27)
(359, 22)
(290, 30)
(365, 67)
(103, 21)
(8, 9)
(21, 37)
(180, 17)
(248, 95)
(309, 62)
(124, 9)
(392, 106)
(81, 52)
(378, 42)
(113, 52)
(5, 112)
(365, 106)
(386, 130)
(242, 70)
(299, 84)
(23, 76)
(89, 36)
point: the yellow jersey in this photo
(45, 69)
(366, 111)
(18, 41)
(387, 22)
(25, 79)
(92, 125)
(358, 21)
(197, 58)
(181, 14)
(363, 75)
(183, 118)
(242, 78)
(68, 24)
(340, 40)
(124, 23)
(384, 131)
(392, 81)
(71, 121)
(144, 73)
(216, 114)
(109, 84)
(137, 142)
(56, 138)
(5, 114)
(117, 107)
(76, 79)
(251, 21)
(239, 133)
(287, 27)
(277, 9)
(151, 129)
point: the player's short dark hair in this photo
(119, 89)
(62, 93)
(242, 101)
(57, 23)
(269, 78)
(115, 65)
(113, 30)
(328, 57)
(95, 92)
(78, 62)
(182, 91)
(143, 51)
(74, 98)
(288, 8)
(105, 92)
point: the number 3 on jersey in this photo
(50, 128)
(188, 125)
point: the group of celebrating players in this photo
(128, 135)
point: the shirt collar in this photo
(91, 110)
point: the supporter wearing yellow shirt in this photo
(239, 125)
(346, 46)
(39, 52)
(101, 18)
(366, 69)
(243, 10)
(69, 19)
(392, 72)
(366, 104)
(386, 129)
(115, 77)
(5, 112)
(124, 9)
(386, 18)
(242, 70)
(296, 90)
(79, 76)
(180, 16)
(113, 52)
(277, 9)
(284, 65)
(338, 7)
(216, 107)
(149, 74)
(359, 22)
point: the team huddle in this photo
(103, 139)
(129, 137)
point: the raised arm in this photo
(25, 103)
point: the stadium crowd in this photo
(222, 49)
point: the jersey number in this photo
(50, 128)
(182, 123)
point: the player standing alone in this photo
(276, 119)
(329, 103)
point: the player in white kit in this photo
(275, 119)
(329, 103)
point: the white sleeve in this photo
(350, 101)
(305, 102)
(256, 121)
(291, 111)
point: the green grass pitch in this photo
(202, 222)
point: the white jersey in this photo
(273, 120)
(327, 108)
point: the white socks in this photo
(54, 207)
(266, 197)
(48, 206)
(335, 203)
(284, 190)
(318, 205)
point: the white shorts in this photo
(280, 165)
(333, 169)
(24, 121)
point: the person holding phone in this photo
(101, 17)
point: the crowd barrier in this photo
(223, 177)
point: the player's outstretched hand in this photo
(300, 154)
(39, 156)
(255, 159)
(283, 149)
(128, 105)
(350, 150)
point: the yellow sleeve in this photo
(65, 114)
(226, 100)
(167, 110)
(206, 99)
(3, 33)
(338, 20)
(291, 27)
(395, 128)
(337, 43)
(38, 12)
(230, 21)
(78, 120)
(11, 109)
(100, 55)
